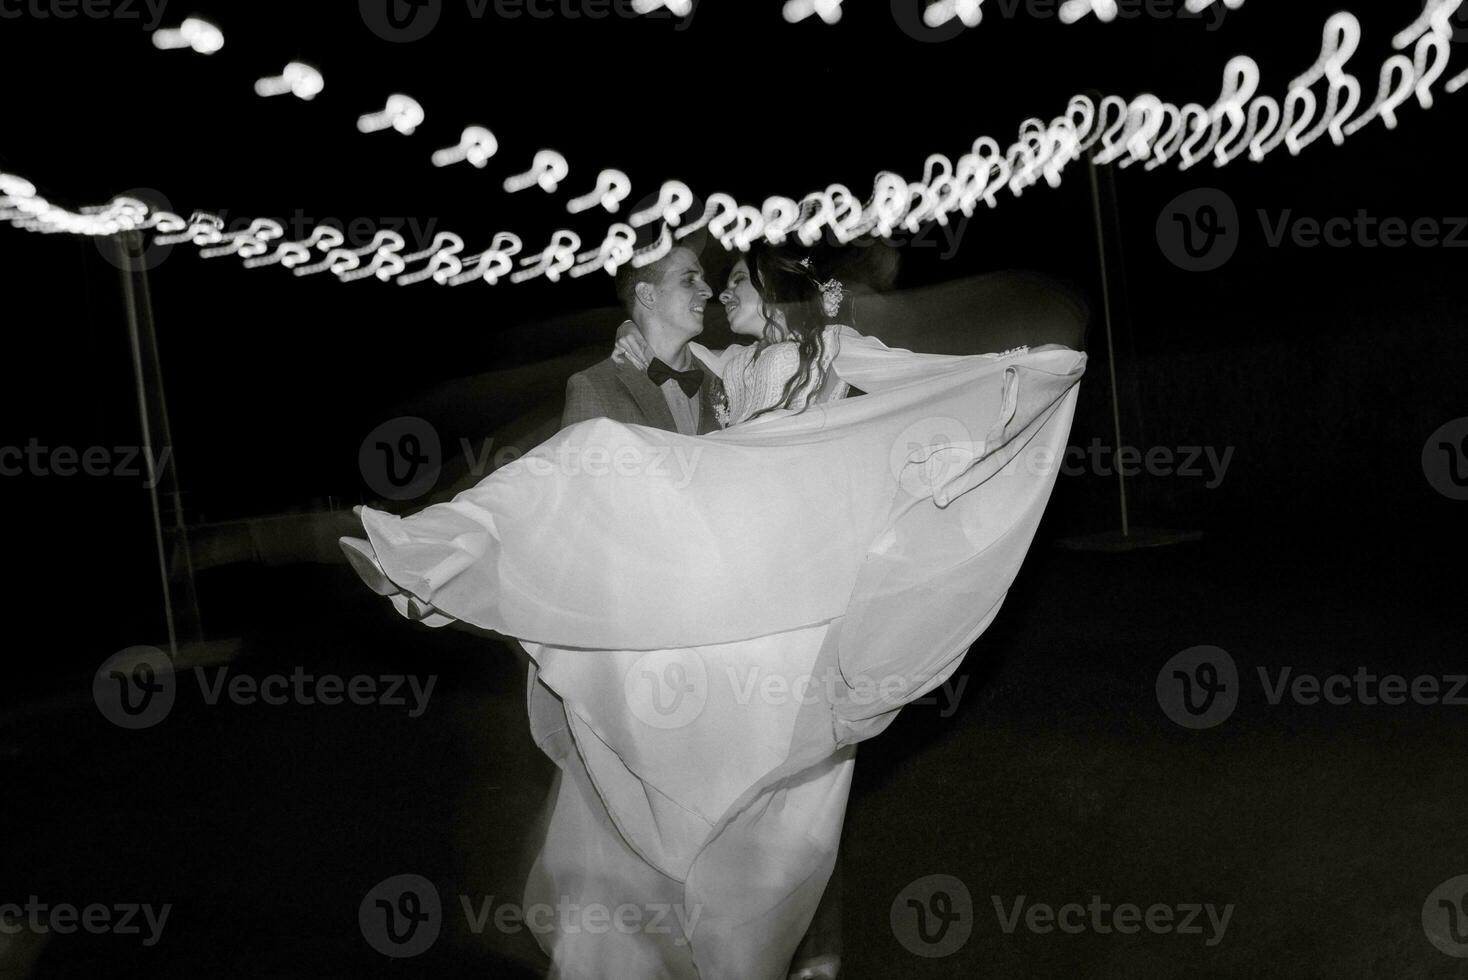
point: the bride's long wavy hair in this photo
(786, 284)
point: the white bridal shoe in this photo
(364, 562)
(826, 967)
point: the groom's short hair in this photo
(628, 275)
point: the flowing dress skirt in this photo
(714, 622)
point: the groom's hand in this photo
(630, 347)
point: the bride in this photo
(709, 646)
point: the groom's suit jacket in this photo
(622, 393)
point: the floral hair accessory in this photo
(832, 292)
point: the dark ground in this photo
(1058, 777)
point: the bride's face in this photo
(742, 303)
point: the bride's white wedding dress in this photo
(754, 376)
(716, 622)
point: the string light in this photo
(402, 113)
(1143, 130)
(679, 8)
(493, 263)
(200, 35)
(796, 11)
(548, 170)
(970, 12)
(616, 250)
(612, 188)
(476, 145)
(300, 80)
(674, 200)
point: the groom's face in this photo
(681, 293)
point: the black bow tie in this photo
(690, 381)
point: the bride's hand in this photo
(631, 348)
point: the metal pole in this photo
(1107, 312)
(182, 615)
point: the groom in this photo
(666, 300)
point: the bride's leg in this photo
(819, 953)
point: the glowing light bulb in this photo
(548, 170)
(612, 188)
(199, 35)
(402, 113)
(476, 145)
(300, 80)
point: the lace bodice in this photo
(754, 377)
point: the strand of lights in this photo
(674, 200)
(548, 170)
(612, 188)
(1143, 130)
(476, 145)
(298, 79)
(200, 35)
(402, 113)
